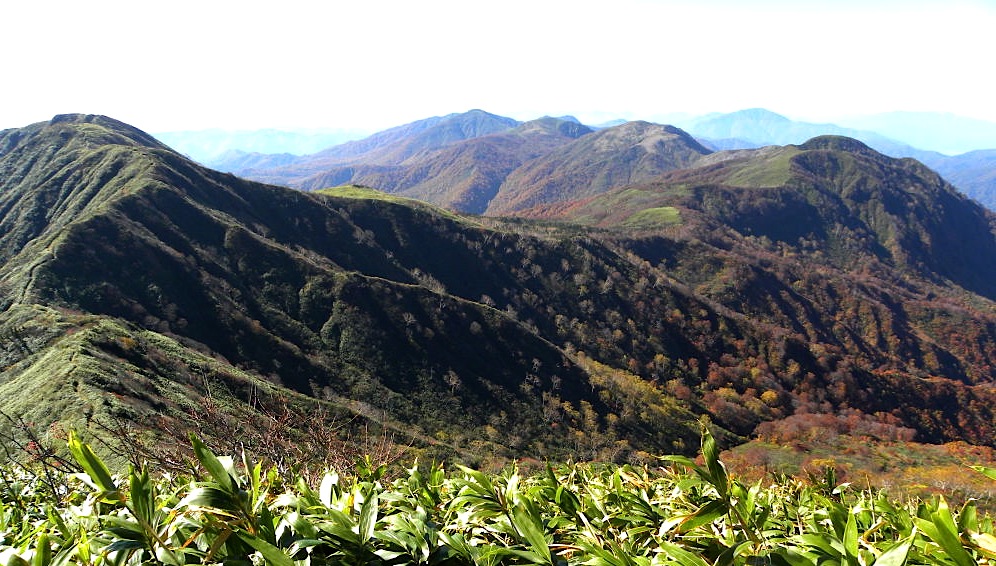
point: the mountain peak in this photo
(760, 114)
(836, 143)
(560, 126)
(55, 173)
(80, 118)
(650, 130)
(102, 130)
(475, 123)
(592, 164)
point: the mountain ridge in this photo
(755, 128)
(586, 342)
(465, 175)
(747, 129)
(888, 196)
(148, 258)
(760, 127)
(606, 158)
(492, 173)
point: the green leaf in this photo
(529, 524)
(968, 518)
(988, 472)
(273, 555)
(830, 547)
(141, 495)
(895, 556)
(690, 464)
(211, 497)
(567, 501)
(791, 556)
(368, 517)
(851, 540)
(8, 557)
(43, 551)
(942, 530)
(682, 556)
(703, 516)
(717, 470)
(91, 464)
(212, 464)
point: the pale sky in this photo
(371, 64)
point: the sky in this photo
(372, 64)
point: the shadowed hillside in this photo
(488, 338)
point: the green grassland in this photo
(904, 469)
(769, 172)
(362, 192)
(651, 218)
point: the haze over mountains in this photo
(413, 171)
(946, 133)
(208, 146)
(647, 282)
(960, 147)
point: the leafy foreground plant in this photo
(690, 514)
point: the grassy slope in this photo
(595, 163)
(315, 294)
(464, 175)
(905, 469)
(373, 303)
(843, 212)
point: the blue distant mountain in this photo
(756, 127)
(974, 172)
(208, 146)
(946, 133)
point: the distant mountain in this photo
(394, 146)
(610, 124)
(235, 160)
(611, 157)
(539, 161)
(211, 146)
(851, 199)
(390, 147)
(464, 175)
(759, 127)
(403, 159)
(728, 144)
(942, 132)
(749, 286)
(973, 172)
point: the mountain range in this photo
(970, 169)
(218, 145)
(477, 162)
(636, 282)
(942, 132)
(455, 162)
